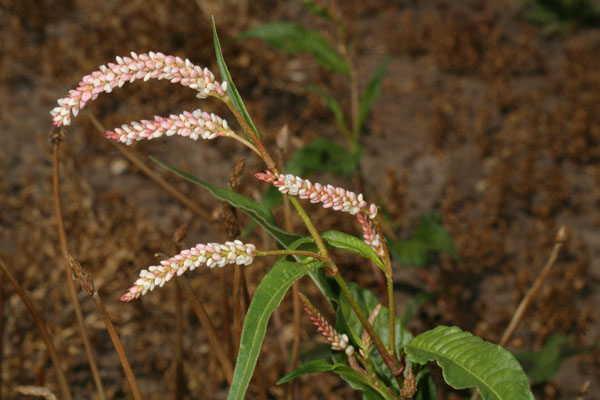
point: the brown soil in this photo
(481, 117)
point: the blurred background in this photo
(487, 119)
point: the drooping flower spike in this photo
(336, 198)
(196, 124)
(211, 255)
(128, 69)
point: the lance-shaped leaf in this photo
(372, 91)
(234, 95)
(290, 37)
(258, 212)
(266, 299)
(345, 241)
(355, 379)
(333, 105)
(468, 361)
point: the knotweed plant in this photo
(371, 349)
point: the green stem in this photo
(390, 287)
(392, 362)
(253, 137)
(244, 142)
(292, 253)
(313, 232)
(392, 315)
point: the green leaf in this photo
(333, 106)
(425, 385)
(372, 91)
(258, 212)
(355, 379)
(290, 37)
(323, 155)
(262, 216)
(234, 95)
(267, 297)
(351, 243)
(429, 236)
(544, 364)
(317, 9)
(308, 368)
(347, 321)
(403, 336)
(468, 361)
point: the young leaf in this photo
(267, 297)
(468, 361)
(258, 212)
(544, 364)
(429, 236)
(372, 91)
(290, 37)
(308, 368)
(355, 379)
(345, 241)
(317, 9)
(333, 106)
(323, 155)
(234, 95)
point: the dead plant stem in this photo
(62, 380)
(531, 294)
(56, 139)
(135, 391)
(129, 155)
(208, 327)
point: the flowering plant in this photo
(371, 349)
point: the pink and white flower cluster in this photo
(128, 69)
(337, 198)
(211, 255)
(196, 124)
(339, 342)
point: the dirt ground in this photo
(481, 117)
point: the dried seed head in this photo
(128, 69)
(236, 174)
(410, 386)
(81, 275)
(210, 254)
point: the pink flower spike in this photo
(337, 341)
(336, 198)
(142, 66)
(188, 124)
(212, 254)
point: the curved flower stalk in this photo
(128, 69)
(338, 342)
(211, 255)
(337, 198)
(196, 124)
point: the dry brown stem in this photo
(129, 155)
(56, 137)
(208, 327)
(561, 236)
(62, 380)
